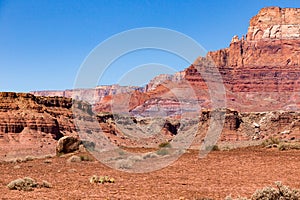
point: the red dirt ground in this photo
(221, 173)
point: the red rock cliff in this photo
(263, 68)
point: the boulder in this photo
(67, 144)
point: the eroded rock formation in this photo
(260, 72)
(31, 125)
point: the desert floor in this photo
(221, 173)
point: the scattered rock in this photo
(17, 167)
(256, 125)
(67, 144)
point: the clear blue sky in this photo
(43, 43)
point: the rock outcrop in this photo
(275, 23)
(67, 144)
(31, 125)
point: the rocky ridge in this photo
(92, 95)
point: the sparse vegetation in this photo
(124, 164)
(46, 184)
(101, 179)
(212, 148)
(150, 155)
(288, 146)
(269, 193)
(135, 158)
(27, 184)
(85, 158)
(215, 148)
(164, 145)
(272, 141)
(281, 192)
(162, 152)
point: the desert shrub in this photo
(283, 147)
(46, 184)
(212, 148)
(101, 179)
(94, 179)
(271, 141)
(288, 146)
(26, 184)
(150, 155)
(124, 164)
(162, 152)
(281, 192)
(135, 158)
(295, 146)
(215, 148)
(85, 158)
(164, 145)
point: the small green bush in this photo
(164, 145)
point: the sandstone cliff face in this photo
(260, 71)
(31, 125)
(275, 23)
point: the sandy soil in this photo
(221, 173)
